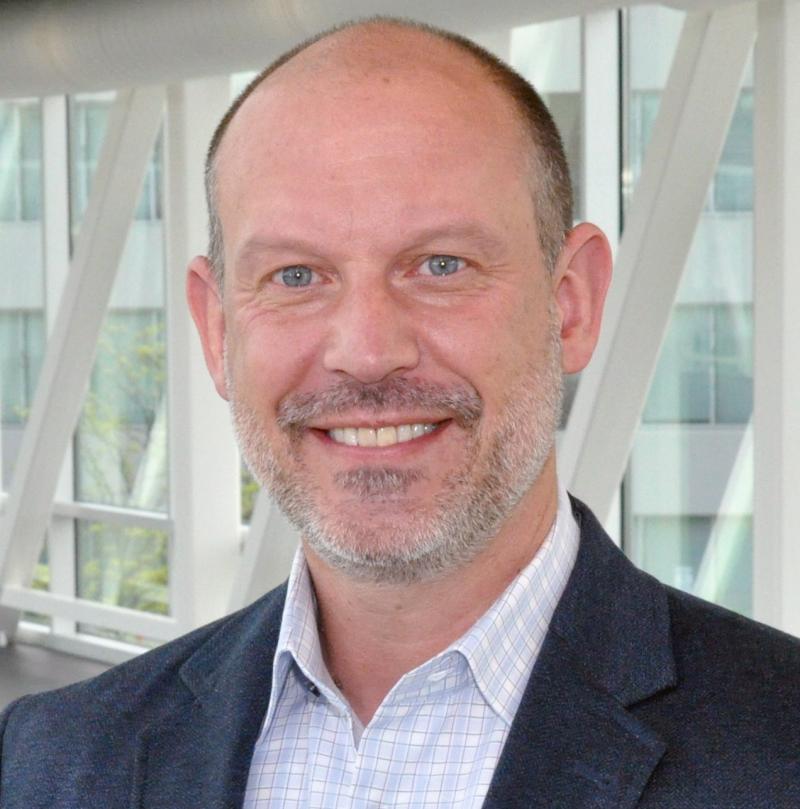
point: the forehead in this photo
(371, 116)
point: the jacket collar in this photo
(573, 741)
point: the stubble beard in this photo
(365, 537)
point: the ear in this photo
(581, 279)
(205, 304)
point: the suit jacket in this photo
(642, 696)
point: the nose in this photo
(371, 335)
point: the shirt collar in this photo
(500, 648)
(298, 641)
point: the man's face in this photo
(392, 351)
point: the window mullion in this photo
(56, 216)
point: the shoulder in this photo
(717, 650)
(721, 691)
(731, 723)
(99, 719)
(702, 629)
(708, 641)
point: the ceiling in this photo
(66, 46)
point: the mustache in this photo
(298, 410)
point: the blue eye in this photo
(443, 265)
(296, 276)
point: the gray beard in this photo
(467, 513)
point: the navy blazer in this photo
(642, 696)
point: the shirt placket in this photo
(332, 759)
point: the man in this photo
(393, 291)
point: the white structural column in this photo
(132, 128)
(204, 464)
(55, 159)
(602, 136)
(776, 413)
(693, 119)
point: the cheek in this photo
(271, 358)
(492, 346)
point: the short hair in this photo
(552, 189)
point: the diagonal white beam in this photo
(726, 542)
(776, 406)
(268, 552)
(693, 119)
(133, 124)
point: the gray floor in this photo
(26, 669)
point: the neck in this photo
(372, 634)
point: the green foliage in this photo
(41, 576)
(249, 488)
(125, 566)
(121, 460)
(123, 406)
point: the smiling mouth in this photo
(381, 436)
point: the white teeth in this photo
(367, 437)
(380, 437)
(387, 436)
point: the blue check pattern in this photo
(436, 738)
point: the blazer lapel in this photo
(199, 753)
(572, 745)
(573, 741)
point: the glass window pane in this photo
(681, 389)
(670, 548)
(22, 342)
(31, 162)
(651, 34)
(22, 317)
(733, 363)
(40, 581)
(711, 557)
(549, 56)
(733, 185)
(88, 116)
(125, 566)
(9, 161)
(20, 161)
(149, 206)
(121, 439)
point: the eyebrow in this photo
(476, 233)
(473, 232)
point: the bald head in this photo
(359, 61)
